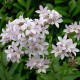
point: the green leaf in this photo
(17, 77)
(28, 4)
(17, 6)
(78, 42)
(50, 6)
(20, 67)
(1, 0)
(59, 1)
(62, 11)
(19, 14)
(72, 5)
(30, 12)
(22, 3)
(72, 76)
(39, 78)
(12, 69)
(2, 72)
(56, 64)
(67, 20)
(77, 10)
(78, 60)
(5, 62)
(48, 76)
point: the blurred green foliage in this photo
(59, 70)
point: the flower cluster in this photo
(30, 34)
(14, 52)
(65, 47)
(74, 27)
(50, 16)
(40, 63)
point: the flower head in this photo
(74, 27)
(65, 47)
